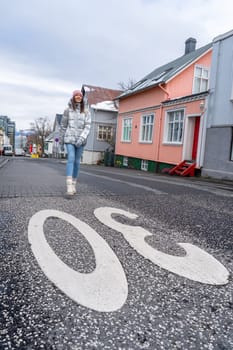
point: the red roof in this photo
(97, 94)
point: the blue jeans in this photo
(73, 161)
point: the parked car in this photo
(19, 152)
(7, 150)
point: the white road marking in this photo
(146, 188)
(197, 265)
(105, 289)
(198, 185)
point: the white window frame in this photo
(147, 128)
(168, 125)
(144, 165)
(200, 77)
(129, 127)
(108, 132)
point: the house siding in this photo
(218, 147)
(135, 148)
(182, 84)
(107, 118)
(144, 99)
(156, 101)
(172, 154)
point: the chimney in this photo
(190, 45)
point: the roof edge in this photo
(140, 90)
(206, 48)
(223, 36)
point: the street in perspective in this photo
(134, 260)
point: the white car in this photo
(19, 152)
(7, 150)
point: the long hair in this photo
(74, 105)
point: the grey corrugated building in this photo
(218, 157)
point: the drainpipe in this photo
(164, 90)
(159, 138)
(160, 124)
(94, 129)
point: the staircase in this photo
(185, 168)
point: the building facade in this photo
(103, 109)
(161, 119)
(103, 131)
(218, 157)
(104, 112)
(8, 129)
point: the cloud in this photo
(26, 95)
(49, 48)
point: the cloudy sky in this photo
(49, 48)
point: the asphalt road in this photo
(104, 269)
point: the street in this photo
(134, 261)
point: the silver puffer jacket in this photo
(74, 124)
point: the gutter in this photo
(138, 91)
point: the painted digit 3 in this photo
(196, 265)
(106, 288)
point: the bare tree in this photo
(42, 128)
(126, 86)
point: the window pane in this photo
(104, 132)
(205, 73)
(198, 72)
(204, 86)
(170, 132)
(175, 126)
(147, 127)
(197, 85)
(127, 129)
(201, 76)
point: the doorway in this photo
(195, 138)
(191, 138)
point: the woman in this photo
(74, 130)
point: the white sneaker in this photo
(74, 186)
(70, 189)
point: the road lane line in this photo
(146, 188)
(201, 186)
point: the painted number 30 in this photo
(106, 288)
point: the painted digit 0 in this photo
(196, 265)
(105, 289)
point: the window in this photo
(174, 126)
(144, 165)
(105, 133)
(125, 161)
(201, 78)
(127, 129)
(147, 128)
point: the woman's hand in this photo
(80, 141)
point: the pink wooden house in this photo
(162, 117)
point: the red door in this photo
(195, 138)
